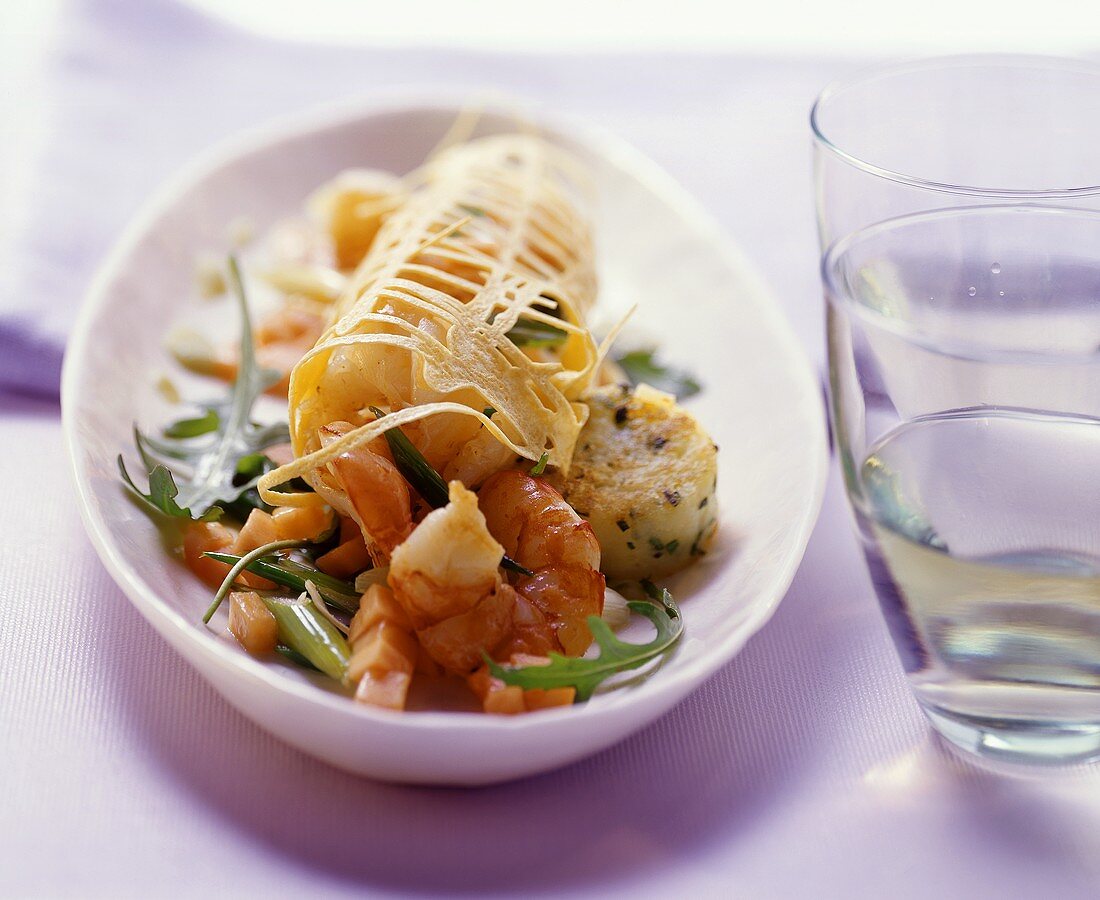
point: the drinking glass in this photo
(964, 374)
(955, 131)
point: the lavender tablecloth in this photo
(801, 769)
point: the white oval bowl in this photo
(657, 246)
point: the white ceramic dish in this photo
(657, 247)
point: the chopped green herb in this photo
(672, 546)
(540, 467)
(414, 467)
(533, 333)
(189, 428)
(623, 525)
(293, 574)
(240, 565)
(615, 655)
(643, 366)
(488, 411)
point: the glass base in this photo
(1025, 741)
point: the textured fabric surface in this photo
(802, 769)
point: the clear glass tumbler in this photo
(955, 131)
(964, 370)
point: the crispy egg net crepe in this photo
(490, 241)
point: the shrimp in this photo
(539, 530)
(377, 496)
(446, 576)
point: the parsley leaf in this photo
(643, 365)
(615, 655)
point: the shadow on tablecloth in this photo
(717, 765)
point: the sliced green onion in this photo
(304, 630)
(293, 574)
(295, 657)
(241, 564)
(414, 467)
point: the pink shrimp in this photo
(539, 530)
(376, 492)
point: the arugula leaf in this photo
(615, 655)
(249, 469)
(533, 333)
(162, 494)
(189, 428)
(212, 461)
(642, 365)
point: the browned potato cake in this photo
(644, 475)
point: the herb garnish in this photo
(241, 564)
(615, 655)
(203, 477)
(306, 632)
(533, 333)
(540, 467)
(294, 574)
(642, 365)
(189, 428)
(162, 493)
(411, 463)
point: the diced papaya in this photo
(203, 537)
(387, 690)
(301, 522)
(504, 701)
(257, 531)
(346, 560)
(544, 699)
(252, 623)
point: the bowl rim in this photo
(931, 63)
(659, 693)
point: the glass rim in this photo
(930, 63)
(946, 346)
